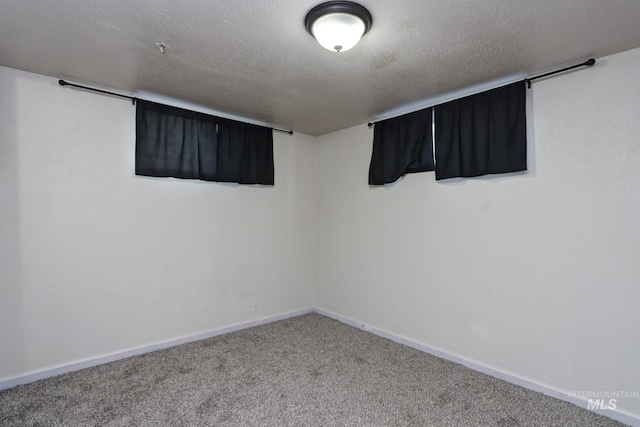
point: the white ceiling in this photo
(254, 59)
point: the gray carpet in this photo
(305, 371)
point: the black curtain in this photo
(482, 134)
(245, 153)
(179, 143)
(401, 145)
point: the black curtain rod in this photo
(132, 98)
(290, 132)
(65, 83)
(587, 63)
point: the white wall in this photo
(95, 260)
(536, 275)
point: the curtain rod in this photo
(587, 63)
(528, 80)
(133, 98)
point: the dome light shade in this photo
(338, 31)
(338, 25)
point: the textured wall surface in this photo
(94, 259)
(533, 274)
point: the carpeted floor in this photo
(305, 371)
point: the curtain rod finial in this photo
(590, 62)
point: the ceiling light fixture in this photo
(338, 25)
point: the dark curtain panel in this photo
(179, 143)
(482, 134)
(173, 142)
(401, 145)
(245, 153)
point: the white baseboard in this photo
(616, 414)
(111, 357)
(29, 377)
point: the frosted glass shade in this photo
(338, 32)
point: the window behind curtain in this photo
(401, 145)
(179, 143)
(482, 134)
(245, 153)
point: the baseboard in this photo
(616, 414)
(111, 357)
(29, 377)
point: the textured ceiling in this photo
(254, 59)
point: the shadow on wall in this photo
(11, 322)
